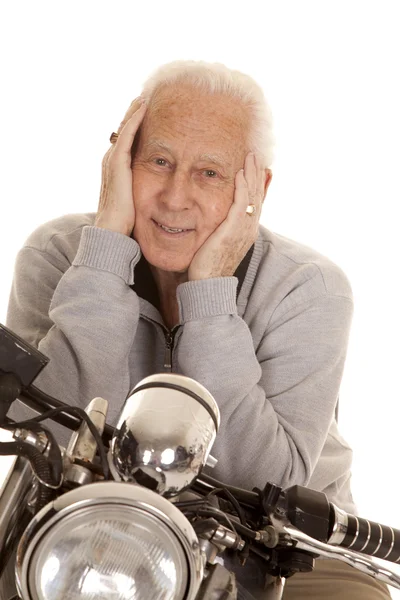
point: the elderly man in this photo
(174, 273)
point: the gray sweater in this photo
(269, 344)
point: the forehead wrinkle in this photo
(208, 156)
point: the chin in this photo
(172, 264)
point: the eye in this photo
(211, 171)
(159, 160)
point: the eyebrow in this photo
(216, 158)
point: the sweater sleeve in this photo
(71, 311)
(277, 400)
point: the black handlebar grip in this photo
(366, 537)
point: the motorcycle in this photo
(128, 513)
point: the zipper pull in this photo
(168, 351)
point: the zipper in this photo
(169, 346)
(169, 335)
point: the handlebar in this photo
(367, 537)
(339, 528)
(310, 512)
(355, 559)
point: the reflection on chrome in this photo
(165, 432)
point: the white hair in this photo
(216, 78)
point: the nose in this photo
(176, 195)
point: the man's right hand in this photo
(116, 210)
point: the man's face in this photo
(190, 148)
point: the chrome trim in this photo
(184, 381)
(211, 461)
(295, 538)
(355, 559)
(391, 545)
(14, 508)
(82, 443)
(117, 493)
(356, 533)
(380, 540)
(340, 526)
(368, 537)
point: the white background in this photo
(330, 70)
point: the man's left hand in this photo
(223, 251)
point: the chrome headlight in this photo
(164, 434)
(109, 541)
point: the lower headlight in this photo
(109, 541)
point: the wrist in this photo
(196, 276)
(113, 225)
(207, 298)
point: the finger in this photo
(260, 178)
(256, 187)
(104, 173)
(134, 106)
(105, 167)
(241, 194)
(250, 174)
(243, 198)
(123, 145)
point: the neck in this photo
(167, 282)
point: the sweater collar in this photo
(146, 288)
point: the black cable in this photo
(236, 505)
(202, 503)
(184, 390)
(212, 512)
(54, 454)
(205, 525)
(37, 393)
(38, 404)
(243, 496)
(84, 416)
(38, 400)
(94, 468)
(246, 531)
(209, 511)
(189, 503)
(231, 498)
(10, 388)
(39, 466)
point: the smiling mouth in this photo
(171, 229)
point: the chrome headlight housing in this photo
(164, 434)
(109, 541)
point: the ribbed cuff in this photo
(109, 251)
(207, 298)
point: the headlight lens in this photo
(120, 556)
(109, 549)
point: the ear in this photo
(268, 177)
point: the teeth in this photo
(171, 230)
